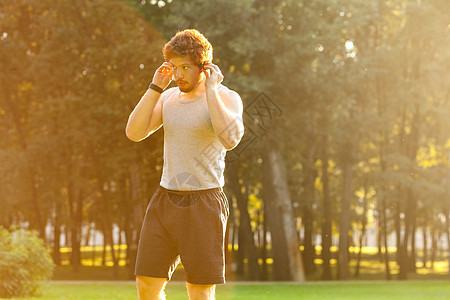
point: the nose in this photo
(177, 74)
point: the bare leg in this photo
(150, 288)
(201, 291)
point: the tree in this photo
(63, 126)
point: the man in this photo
(187, 215)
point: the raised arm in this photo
(225, 109)
(146, 117)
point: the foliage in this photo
(365, 81)
(24, 262)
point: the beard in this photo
(187, 87)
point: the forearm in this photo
(227, 126)
(139, 120)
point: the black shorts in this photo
(186, 225)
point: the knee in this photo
(150, 288)
(201, 291)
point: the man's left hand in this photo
(214, 77)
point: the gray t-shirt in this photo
(194, 158)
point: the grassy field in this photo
(318, 290)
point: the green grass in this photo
(318, 290)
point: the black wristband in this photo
(155, 88)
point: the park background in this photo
(345, 155)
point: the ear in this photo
(205, 73)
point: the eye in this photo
(185, 67)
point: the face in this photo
(186, 73)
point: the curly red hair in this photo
(189, 42)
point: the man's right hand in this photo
(163, 75)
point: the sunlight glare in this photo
(349, 45)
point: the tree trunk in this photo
(107, 220)
(447, 232)
(94, 244)
(404, 260)
(402, 252)
(264, 273)
(447, 216)
(74, 202)
(239, 258)
(23, 134)
(425, 248)
(412, 202)
(234, 234)
(434, 246)
(398, 228)
(104, 245)
(75, 245)
(85, 239)
(109, 231)
(379, 245)
(309, 252)
(137, 214)
(363, 232)
(76, 241)
(37, 205)
(282, 198)
(246, 239)
(228, 251)
(277, 236)
(382, 189)
(119, 246)
(57, 235)
(127, 217)
(383, 218)
(412, 254)
(128, 231)
(344, 227)
(326, 218)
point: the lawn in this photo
(439, 289)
